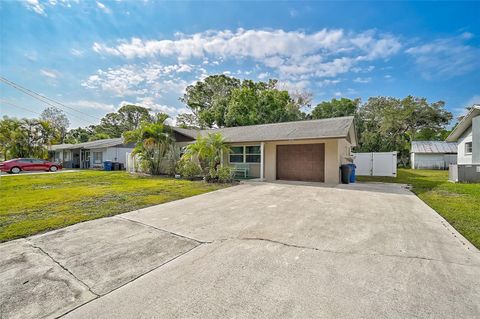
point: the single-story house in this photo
(433, 154)
(303, 150)
(467, 136)
(90, 154)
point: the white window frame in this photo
(468, 145)
(94, 157)
(244, 154)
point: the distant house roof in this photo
(433, 147)
(109, 142)
(193, 133)
(464, 123)
(339, 127)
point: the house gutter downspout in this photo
(262, 160)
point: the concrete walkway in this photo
(258, 250)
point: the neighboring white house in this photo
(467, 136)
(433, 154)
(90, 154)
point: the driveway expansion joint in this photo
(128, 282)
(163, 230)
(63, 267)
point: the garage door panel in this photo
(301, 162)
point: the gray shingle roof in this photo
(433, 147)
(338, 127)
(88, 145)
(187, 132)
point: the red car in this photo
(17, 165)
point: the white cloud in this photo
(328, 82)
(50, 73)
(473, 100)
(325, 53)
(362, 80)
(293, 86)
(32, 56)
(35, 6)
(142, 80)
(85, 104)
(103, 7)
(77, 52)
(446, 57)
(263, 75)
(39, 7)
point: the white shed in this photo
(433, 154)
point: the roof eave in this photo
(463, 125)
(288, 139)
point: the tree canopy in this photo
(391, 124)
(127, 118)
(25, 137)
(335, 108)
(223, 101)
(58, 121)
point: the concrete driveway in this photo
(258, 250)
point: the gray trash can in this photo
(346, 171)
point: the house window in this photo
(97, 157)
(468, 148)
(236, 154)
(252, 154)
(245, 154)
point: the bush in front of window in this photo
(225, 174)
(189, 169)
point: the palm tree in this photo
(208, 151)
(153, 140)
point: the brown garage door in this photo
(301, 162)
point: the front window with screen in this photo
(468, 147)
(252, 154)
(236, 154)
(97, 157)
(245, 154)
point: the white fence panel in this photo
(132, 163)
(363, 161)
(376, 164)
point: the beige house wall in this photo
(337, 152)
(254, 167)
(331, 158)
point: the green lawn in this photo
(458, 203)
(32, 204)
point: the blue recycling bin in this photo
(352, 172)
(107, 165)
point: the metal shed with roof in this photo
(433, 154)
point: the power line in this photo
(30, 110)
(45, 99)
(18, 106)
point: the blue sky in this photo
(94, 56)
